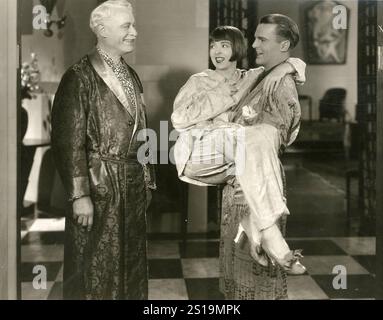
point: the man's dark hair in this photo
(286, 27)
(235, 36)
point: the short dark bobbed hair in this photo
(286, 27)
(235, 36)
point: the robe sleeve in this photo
(287, 103)
(199, 100)
(202, 99)
(69, 126)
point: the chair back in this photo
(332, 104)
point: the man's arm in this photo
(69, 135)
(294, 66)
(68, 144)
(299, 66)
(286, 101)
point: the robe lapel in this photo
(138, 110)
(111, 80)
(140, 119)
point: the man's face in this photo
(267, 45)
(120, 31)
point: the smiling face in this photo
(119, 33)
(220, 54)
(269, 47)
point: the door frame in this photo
(379, 160)
(9, 65)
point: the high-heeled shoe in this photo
(256, 251)
(291, 264)
(253, 239)
(258, 255)
(279, 252)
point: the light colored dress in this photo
(204, 104)
(221, 149)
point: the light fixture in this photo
(60, 23)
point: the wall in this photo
(172, 44)
(57, 53)
(320, 78)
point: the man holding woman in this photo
(269, 119)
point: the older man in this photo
(97, 113)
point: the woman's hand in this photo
(274, 78)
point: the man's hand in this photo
(83, 212)
(274, 78)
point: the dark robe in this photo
(94, 141)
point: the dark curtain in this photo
(240, 14)
(366, 113)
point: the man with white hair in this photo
(98, 111)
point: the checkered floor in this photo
(318, 224)
(193, 274)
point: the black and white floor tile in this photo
(193, 273)
(318, 224)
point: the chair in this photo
(332, 104)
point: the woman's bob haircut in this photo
(235, 36)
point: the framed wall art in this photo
(326, 39)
